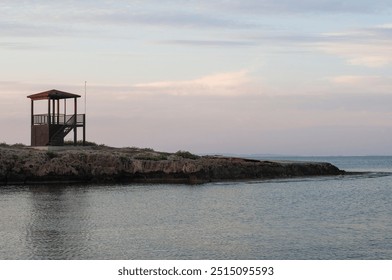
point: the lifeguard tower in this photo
(50, 129)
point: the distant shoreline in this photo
(102, 164)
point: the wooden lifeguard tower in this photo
(51, 128)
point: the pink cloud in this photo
(227, 83)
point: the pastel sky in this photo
(287, 77)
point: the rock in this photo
(105, 164)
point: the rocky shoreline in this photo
(97, 164)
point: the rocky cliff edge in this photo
(24, 165)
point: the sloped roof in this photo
(52, 94)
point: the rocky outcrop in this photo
(104, 164)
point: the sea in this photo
(316, 218)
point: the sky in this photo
(280, 77)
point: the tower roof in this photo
(52, 94)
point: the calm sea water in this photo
(344, 217)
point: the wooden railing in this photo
(61, 119)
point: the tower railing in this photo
(62, 119)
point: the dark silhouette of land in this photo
(24, 165)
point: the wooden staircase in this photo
(57, 139)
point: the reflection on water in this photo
(309, 218)
(57, 223)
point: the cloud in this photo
(308, 6)
(352, 80)
(182, 19)
(229, 83)
(29, 29)
(371, 84)
(15, 88)
(370, 47)
(363, 54)
(17, 46)
(210, 43)
(54, 16)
